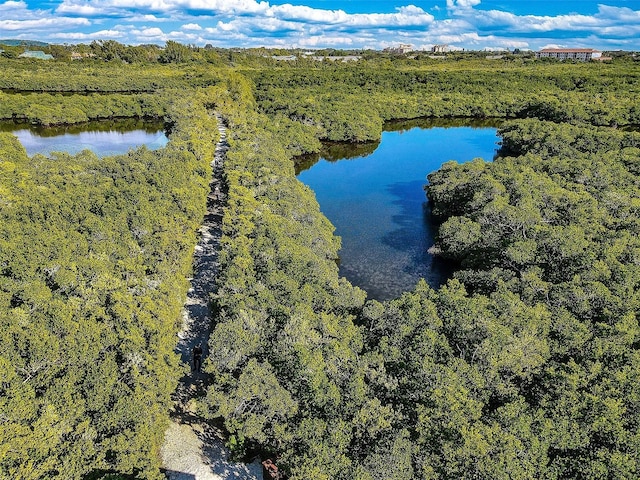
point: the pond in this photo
(374, 196)
(104, 138)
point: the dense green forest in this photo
(94, 259)
(524, 365)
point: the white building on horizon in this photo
(580, 54)
(402, 48)
(440, 48)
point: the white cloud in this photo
(77, 36)
(224, 7)
(254, 23)
(12, 6)
(462, 4)
(404, 16)
(225, 27)
(153, 32)
(465, 38)
(80, 9)
(521, 44)
(85, 9)
(549, 24)
(41, 23)
(553, 45)
(621, 14)
(325, 41)
(503, 45)
(621, 31)
(146, 18)
(509, 23)
(307, 14)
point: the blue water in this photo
(378, 205)
(102, 143)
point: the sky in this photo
(347, 24)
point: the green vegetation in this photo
(507, 372)
(548, 241)
(51, 109)
(94, 254)
(81, 76)
(350, 103)
(525, 365)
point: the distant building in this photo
(81, 56)
(400, 49)
(580, 54)
(440, 48)
(36, 54)
(284, 58)
(338, 58)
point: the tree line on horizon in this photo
(173, 52)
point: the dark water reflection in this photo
(377, 202)
(107, 137)
(333, 152)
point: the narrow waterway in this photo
(374, 195)
(104, 138)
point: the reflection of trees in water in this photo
(341, 151)
(397, 254)
(429, 122)
(332, 152)
(121, 125)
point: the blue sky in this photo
(348, 24)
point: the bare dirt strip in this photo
(193, 448)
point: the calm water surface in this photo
(103, 138)
(377, 202)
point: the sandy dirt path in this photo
(194, 449)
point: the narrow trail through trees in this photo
(194, 449)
